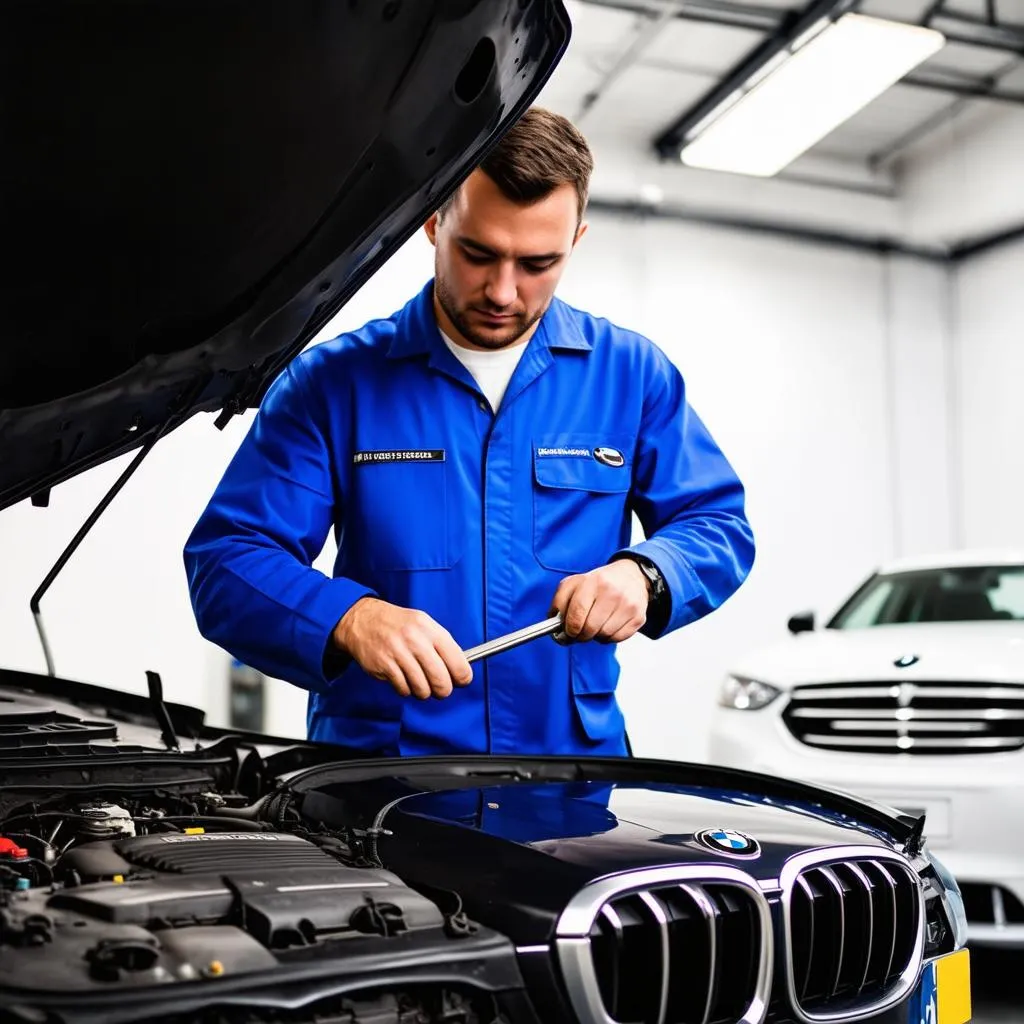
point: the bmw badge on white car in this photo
(911, 694)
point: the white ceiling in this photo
(634, 67)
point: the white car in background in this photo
(912, 694)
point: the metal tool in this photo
(549, 627)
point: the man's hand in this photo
(609, 603)
(406, 648)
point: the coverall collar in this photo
(418, 334)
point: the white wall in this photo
(961, 183)
(819, 371)
(964, 180)
(990, 365)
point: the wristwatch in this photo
(656, 586)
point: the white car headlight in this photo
(743, 694)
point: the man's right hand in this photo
(406, 648)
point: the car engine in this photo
(142, 901)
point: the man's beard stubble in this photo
(518, 327)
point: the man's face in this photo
(497, 263)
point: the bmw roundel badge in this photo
(609, 457)
(725, 840)
(906, 661)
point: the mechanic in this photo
(479, 455)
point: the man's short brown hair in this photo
(539, 153)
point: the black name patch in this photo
(399, 455)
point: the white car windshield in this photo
(961, 594)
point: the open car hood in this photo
(192, 190)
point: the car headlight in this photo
(951, 899)
(743, 694)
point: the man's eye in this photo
(475, 257)
(538, 268)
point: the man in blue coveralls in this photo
(479, 455)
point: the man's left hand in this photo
(608, 604)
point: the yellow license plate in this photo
(944, 993)
(953, 987)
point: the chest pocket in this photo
(580, 507)
(401, 514)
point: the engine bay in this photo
(139, 882)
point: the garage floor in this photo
(997, 987)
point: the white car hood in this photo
(958, 651)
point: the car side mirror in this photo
(802, 623)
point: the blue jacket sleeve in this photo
(249, 558)
(690, 503)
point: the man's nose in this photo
(501, 284)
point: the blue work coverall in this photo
(437, 503)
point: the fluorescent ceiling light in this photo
(838, 71)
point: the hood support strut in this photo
(82, 533)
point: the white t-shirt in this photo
(491, 370)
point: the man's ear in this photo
(430, 227)
(580, 232)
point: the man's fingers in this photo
(391, 673)
(563, 595)
(414, 675)
(601, 614)
(620, 627)
(438, 677)
(582, 600)
(460, 670)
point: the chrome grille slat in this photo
(859, 951)
(1012, 692)
(892, 895)
(913, 715)
(805, 885)
(909, 725)
(658, 912)
(869, 894)
(609, 914)
(873, 690)
(892, 742)
(830, 876)
(908, 717)
(701, 898)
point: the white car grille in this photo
(908, 718)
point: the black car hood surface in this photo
(192, 190)
(533, 844)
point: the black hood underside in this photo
(192, 190)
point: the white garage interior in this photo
(849, 321)
(850, 330)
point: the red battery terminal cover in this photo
(9, 848)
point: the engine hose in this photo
(223, 822)
(252, 812)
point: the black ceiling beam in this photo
(670, 142)
(978, 90)
(990, 34)
(986, 42)
(713, 12)
(876, 245)
(959, 252)
(966, 250)
(977, 19)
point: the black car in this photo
(191, 191)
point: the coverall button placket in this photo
(503, 691)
